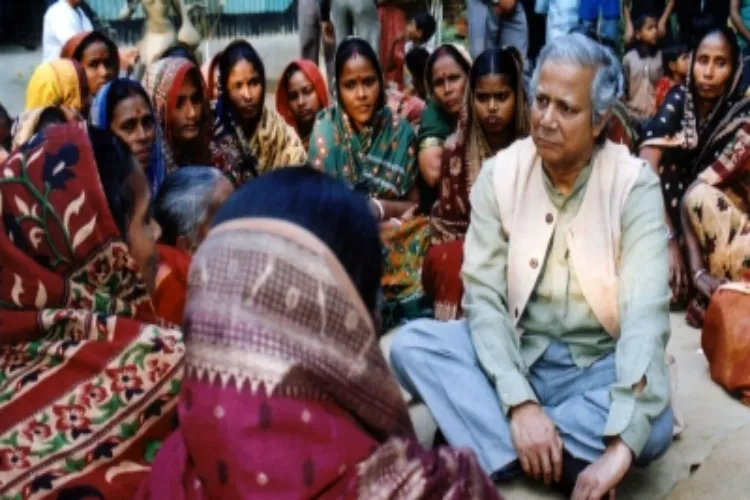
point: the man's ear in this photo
(601, 126)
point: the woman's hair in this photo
(180, 51)
(505, 62)
(183, 200)
(289, 73)
(416, 61)
(8, 125)
(52, 115)
(93, 37)
(119, 90)
(114, 164)
(671, 53)
(445, 50)
(337, 215)
(356, 46)
(239, 50)
(426, 24)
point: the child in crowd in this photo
(675, 63)
(419, 31)
(642, 66)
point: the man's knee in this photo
(409, 342)
(659, 439)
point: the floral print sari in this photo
(88, 381)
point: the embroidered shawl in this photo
(278, 399)
(88, 382)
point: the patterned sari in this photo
(163, 81)
(463, 156)
(27, 122)
(278, 399)
(88, 382)
(274, 143)
(171, 284)
(380, 162)
(157, 170)
(58, 83)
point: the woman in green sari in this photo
(446, 76)
(361, 142)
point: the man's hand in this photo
(328, 33)
(537, 442)
(601, 477)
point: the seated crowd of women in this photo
(278, 331)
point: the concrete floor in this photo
(709, 460)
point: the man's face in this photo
(561, 124)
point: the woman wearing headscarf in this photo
(123, 107)
(253, 137)
(690, 132)
(89, 381)
(177, 91)
(360, 141)
(300, 94)
(446, 76)
(210, 72)
(278, 399)
(61, 82)
(98, 55)
(494, 115)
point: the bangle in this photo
(379, 206)
(699, 273)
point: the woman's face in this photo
(133, 122)
(245, 89)
(494, 103)
(143, 230)
(96, 60)
(359, 88)
(448, 83)
(304, 102)
(713, 67)
(186, 117)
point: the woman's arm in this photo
(430, 159)
(664, 20)
(737, 22)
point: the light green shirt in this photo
(557, 309)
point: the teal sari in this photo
(380, 162)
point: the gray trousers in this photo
(435, 361)
(356, 17)
(308, 20)
(488, 31)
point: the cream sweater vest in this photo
(529, 219)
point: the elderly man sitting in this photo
(187, 202)
(559, 365)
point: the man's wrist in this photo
(618, 447)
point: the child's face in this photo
(681, 65)
(413, 33)
(648, 34)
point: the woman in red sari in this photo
(88, 381)
(287, 393)
(187, 202)
(494, 115)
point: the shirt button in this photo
(534, 263)
(549, 218)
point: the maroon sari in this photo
(286, 393)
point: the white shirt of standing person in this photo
(62, 21)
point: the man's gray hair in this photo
(581, 51)
(183, 200)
